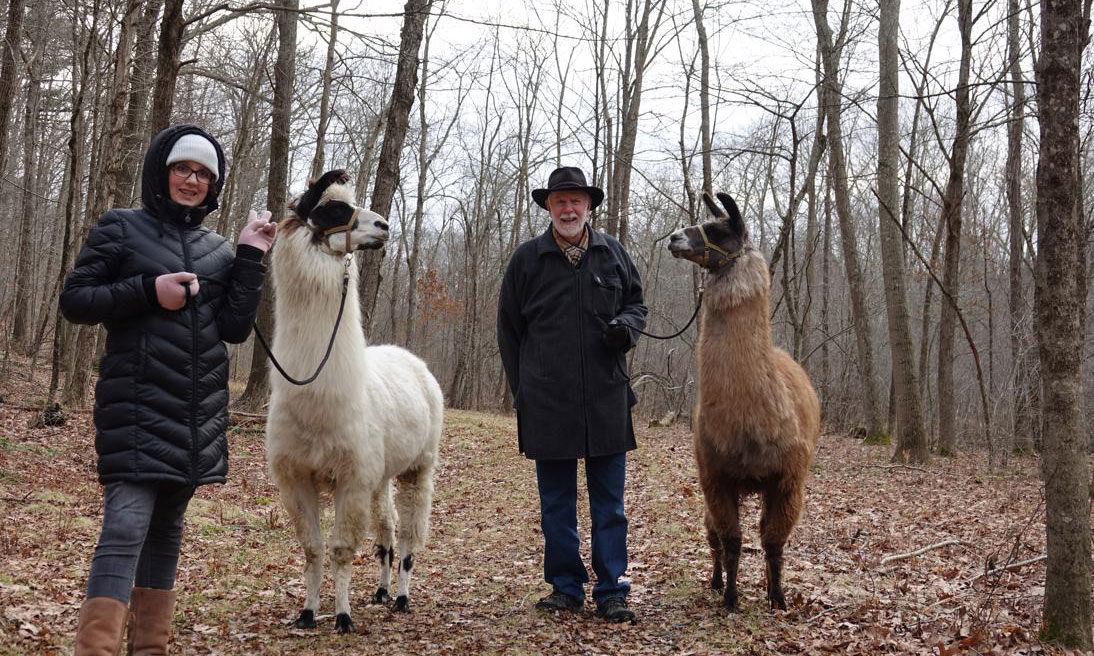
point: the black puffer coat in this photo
(572, 396)
(161, 403)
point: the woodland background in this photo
(884, 156)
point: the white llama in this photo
(374, 413)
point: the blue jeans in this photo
(562, 566)
(139, 543)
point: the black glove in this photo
(616, 335)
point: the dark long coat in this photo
(161, 402)
(571, 390)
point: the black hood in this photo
(154, 194)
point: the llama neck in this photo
(308, 291)
(735, 344)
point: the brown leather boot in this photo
(99, 632)
(150, 621)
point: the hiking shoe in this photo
(615, 610)
(557, 601)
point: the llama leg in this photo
(351, 509)
(715, 543)
(383, 527)
(782, 506)
(725, 516)
(301, 501)
(413, 502)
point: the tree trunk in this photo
(167, 65)
(951, 216)
(21, 319)
(837, 170)
(1060, 298)
(640, 47)
(387, 174)
(136, 116)
(258, 382)
(324, 97)
(103, 189)
(81, 71)
(704, 97)
(911, 435)
(9, 70)
(1025, 411)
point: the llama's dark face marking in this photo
(329, 209)
(715, 244)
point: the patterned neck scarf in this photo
(571, 251)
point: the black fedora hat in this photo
(568, 178)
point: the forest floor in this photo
(475, 584)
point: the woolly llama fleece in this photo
(758, 418)
(372, 415)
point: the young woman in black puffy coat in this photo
(169, 292)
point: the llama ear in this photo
(713, 207)
(733, 215)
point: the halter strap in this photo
(346, 228)
(709, 246)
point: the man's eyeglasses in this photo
(183, 172)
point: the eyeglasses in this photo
(183, 172)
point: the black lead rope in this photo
(330, 344)
(698, 305)
(266, 347)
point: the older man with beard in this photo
(568, 307)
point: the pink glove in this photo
(171, 289)
(259, 231)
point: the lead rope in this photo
(330, 344)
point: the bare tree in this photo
(641, 48)
(911, 434)
(1023, 357)
(81, 73)
(9, 71)
(952, 202)
(258, 382)
(324, 95)
(167, 65)
(837, 171)
(1060, 298)
(398, 118)
(103, 192)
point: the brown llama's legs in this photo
(724, 522)
(782, 506)
(716, 582)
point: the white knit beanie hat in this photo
(195, 148)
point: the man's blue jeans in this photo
(139, 543)
(562, 566)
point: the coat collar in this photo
(545, 243)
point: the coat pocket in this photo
(607, 291)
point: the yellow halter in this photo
(709, 246)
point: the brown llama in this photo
(758, 418)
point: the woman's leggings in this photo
(139, 543)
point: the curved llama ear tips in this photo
(712, 207)
(732, 214)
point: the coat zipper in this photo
(191, 307)
(581, 350)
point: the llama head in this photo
(336, 223)
(715, 244)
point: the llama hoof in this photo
(716, 583)
(777, 601)
(343, 624)
(381, 596)
(729, 601)
(401, 605)
(306, 619)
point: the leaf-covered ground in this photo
(474, 587)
